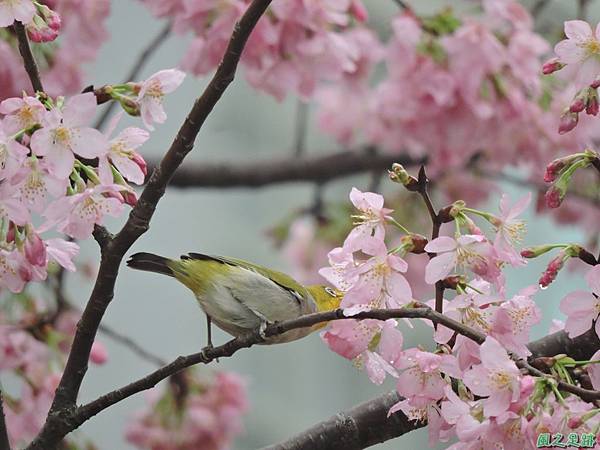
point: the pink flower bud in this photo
(116, 195)
(553, 169)
(528, 253)
(574, 422)
(595, 84)
(554, 197)
(358, 11)
(552, 270)
(35, 250)
(568, 121)
(130, 198)
(10, 236)
(552, 66)
(137, 158)
(25, 273)
(98, 353)
(592, 107)
(578, 105)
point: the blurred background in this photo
(290, 386)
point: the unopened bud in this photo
(568, 121)
(534, 252)
(398, 174)
(554, 196)
(137, 158)
(35, 250)
(130, 198)
(358, 11)
(415, 243)
(574, 422)
(552, 66)
(130, 106)
(552, 270)
(591, 106)
(553, 169)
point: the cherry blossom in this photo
(582, 49)
(66, 132)
(152, 92)
(11, 10)
(582, 307)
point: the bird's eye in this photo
(330, 291)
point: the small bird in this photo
(241, 297)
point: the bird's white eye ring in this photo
(330, 291)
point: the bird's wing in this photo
(281, 279)
(270, 295)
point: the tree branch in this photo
(285, 170)
(28, 59)
(375, 411)
(137, 67)
(4, 443)
(68, 420)
(138, 222)
(360, 427)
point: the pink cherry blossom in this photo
(510, 230)
(12, 154)
(581, 49)
(594, 370)
(21, 113)
(582, 307)
(421, 380)
(34, 184)
(380, 281)
(66, 132)
(76, 215)
(122, 154)
(497, 378)
(11, 10)
(152, 92)
(371, 219)
(469, 251)
(464, 415)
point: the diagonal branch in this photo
(4, 443)
(137, 224)
(137, 67)
(362, 426)
(28, 59)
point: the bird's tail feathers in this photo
(150, 262)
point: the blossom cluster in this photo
(293, 48)
(55, 166)
(35, 351)
(193, 413)
(82, 30)
(464, 390)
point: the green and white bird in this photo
(239, 296)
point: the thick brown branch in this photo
(137, 67)
(4, 443)
(362, 426)
(138, 222)
(285, 170)
(328, 432)
(28, 59)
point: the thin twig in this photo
(4, 442)
(436, 223)
(582, 6)
(28, 60)
(79, 415)
(131, 345)
(137, 224)
(137, 67)
(300, 128)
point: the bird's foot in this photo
(205, 356)
(263, 327)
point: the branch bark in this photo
(28, 60)
(58, 423)
(362, 426)
(286, 170)
(4, 443)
